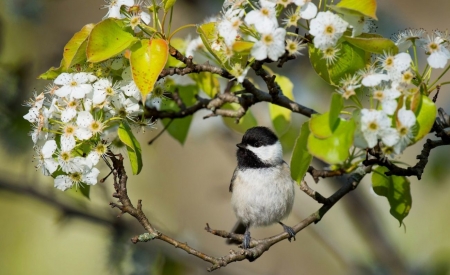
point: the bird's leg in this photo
(247, 239)
(288, 230)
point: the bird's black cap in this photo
(259, 136)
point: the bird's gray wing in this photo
(232, 179)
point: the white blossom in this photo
(372, 78)
(435, 47)
(35, 107)
(308, 10)
(114, 7)
(193, 46)
(405, 126)
(228, 27)
(356, 22)
(63, 182)
(125, 107)
(103, 88)
(130, 88)
(395, 65)
(99, 150)
(404, 40)
(87, 126)
(87, 176)
(264, 19)
(387, 98)
(70, 111)
(374, 125)
(294, 46)
(291, 18)
(45, 158)
(137, 17)
(70, 163)
(68, 137)
(327, 28)
(73, 85)
(270, 45)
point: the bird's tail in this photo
(239, 228)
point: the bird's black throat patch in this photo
(248, 159)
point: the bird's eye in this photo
(257, 144)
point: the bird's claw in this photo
(246, 241)
(289, 230)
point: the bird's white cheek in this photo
(269, 154)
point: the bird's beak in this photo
(241, 146)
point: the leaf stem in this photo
(170, 19)
(441, 75)
(181, 28)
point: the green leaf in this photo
(168, 4)
(426, 115)
(349, 60)
(243, 47)
(207, 33)
(80, 190)
(53, 72)
(289, 137)
(179, 128)
(180, 45)
(396, 189)
(365, 7)
(207, 82)
(85, 190)
(75, 49)
(337, 103)
(320, 125)
(280, 116)
(372, 43)
(133, 147)
(246, 122)
(108, 38)
(301, 158)
(335, 148)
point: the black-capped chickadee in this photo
(262, 187)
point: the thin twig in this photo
(160, 133)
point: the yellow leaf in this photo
(365, 7)
(147, 60)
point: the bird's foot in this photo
(288, 230)
(247, 239)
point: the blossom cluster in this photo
(390, 119)
(71, 119)
(258, 23)
(435, 45)
(136, 13)
(259, 26)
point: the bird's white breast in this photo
(263, 196)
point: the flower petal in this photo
(63, 182)
(308, 11)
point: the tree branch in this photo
(258, 247)
(252, 96)
(50, 199)
(417, 169)
(316, 174)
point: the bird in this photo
(262, 187)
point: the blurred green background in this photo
(45, 231)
